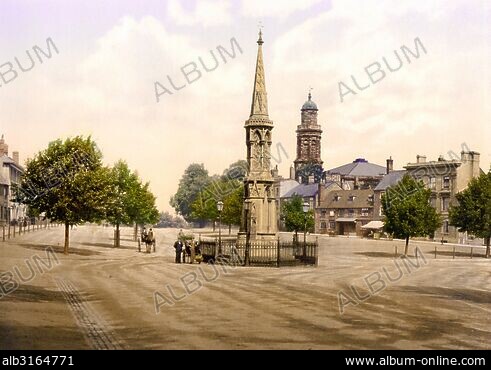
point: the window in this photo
(323, 225)
(365, 212)
(323, 213)
(351, 198)
(446, 182)
(340, 213)
(445, 227)
(332, 225)
(382, 194)
(445, 204)
(433, 202)
(331, 213)
(337, 198)
(381, 211)
(351, 212)
(432, 183)
(370, 198)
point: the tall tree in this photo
(128, 198)
(192, 183)
(294, 217)
(310, 169)
(232, 207)
(205, 206)
(473, 212)
(68, 183)
(236, 171)
(408, 212)
(144, 211)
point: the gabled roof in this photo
(286, 185)
(5, 159)
(303, 190)
(309, 190)
(390, 179)
(359, 168)
(361, 199)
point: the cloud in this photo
(280, 9)
(206, 13)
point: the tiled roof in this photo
(359, 168)
(310, 190)
(360, 200)
(390, 179)
(303, 190)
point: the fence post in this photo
(316, 254)
(3, 233)
(14, 230)
(472, 252)
(9, 231)
(278, 261)
(453, 253)
(435, 251)
(395, 254)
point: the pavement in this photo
(361, 296)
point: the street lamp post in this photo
(220, 209)
(247, 207)
(9, 216)
(306, 209)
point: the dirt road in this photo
(105, 298)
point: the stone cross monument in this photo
(259, 220)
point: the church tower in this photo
(309, 135)
(259, 212)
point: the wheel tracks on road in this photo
(94, 328)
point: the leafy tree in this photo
(473, 212)
(232, 207)
(408, 212)
(125, 183)
(193, 182)
(228, 191)
(144, 211)
(204, 207)
(169, 221)
(132, 202)
(309, 169)
(68, 183)
(236, 171)
(294, 218)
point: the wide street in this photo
(101, 297)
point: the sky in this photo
(110, 54)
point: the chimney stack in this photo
(390, 165)
(15, 156)
(4, 148)
(275, 172)
(311, 179)
(292, 173)
(421, 159)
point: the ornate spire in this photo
(259, 105)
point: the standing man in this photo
(178, 248)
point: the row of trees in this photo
(68, 183)
(408, 212)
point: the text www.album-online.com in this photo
(409, 361)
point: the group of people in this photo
(187, 250)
